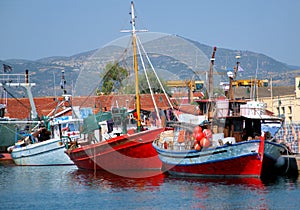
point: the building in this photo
(283, 101)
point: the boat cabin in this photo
(240, 119)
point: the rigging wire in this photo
(24, 105)
(152, 67)
(145, 71)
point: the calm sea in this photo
(66, 187)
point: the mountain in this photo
(266, 67)
(46, 72)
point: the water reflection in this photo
(287, 180)
(223, 193)
(249, 182)
(146, 181)
(106, 180)
(162, 191)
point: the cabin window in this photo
(282, 110)
(237, 126)
(290, 109)
(72, 127)
(199, 86)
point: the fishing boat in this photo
(129, 150)
(11, 128)
(46, 144)
(228, 142)
(193, 150)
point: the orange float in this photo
(197, 147)
(199, 136)
(207, 133)
(197, 130)
(204, 142)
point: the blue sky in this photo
(33, 29)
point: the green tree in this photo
(113, 76)
(144, 88)
(155, 86)
(116, 79)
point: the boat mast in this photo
(210, 76)
(135, 64)
(136, 69)
(233, 77)
(28, 86)
(210, 80)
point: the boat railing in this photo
(12, 78)
(225, 112)
(183, 125)
(238, 112)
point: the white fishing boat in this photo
(44, 147)
(46, 144)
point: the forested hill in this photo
(46, 72)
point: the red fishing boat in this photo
(125, 152)
(131, 150)
(209, 155)
(229, 142)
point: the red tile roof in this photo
(20, 108)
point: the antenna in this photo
(132, 22)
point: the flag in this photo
(7, 68)
(240, 68)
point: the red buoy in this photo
(204, 142)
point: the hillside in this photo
(46, 72)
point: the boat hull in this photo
(249, 166)
(126, 152)
(46, 153)
(241, 159)
(5, 159)
(272, 153)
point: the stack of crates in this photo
(289, 134)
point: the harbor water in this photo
(66, 187)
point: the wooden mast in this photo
(210, 80)
(135, 65)
(136, 69)
(211, 69)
